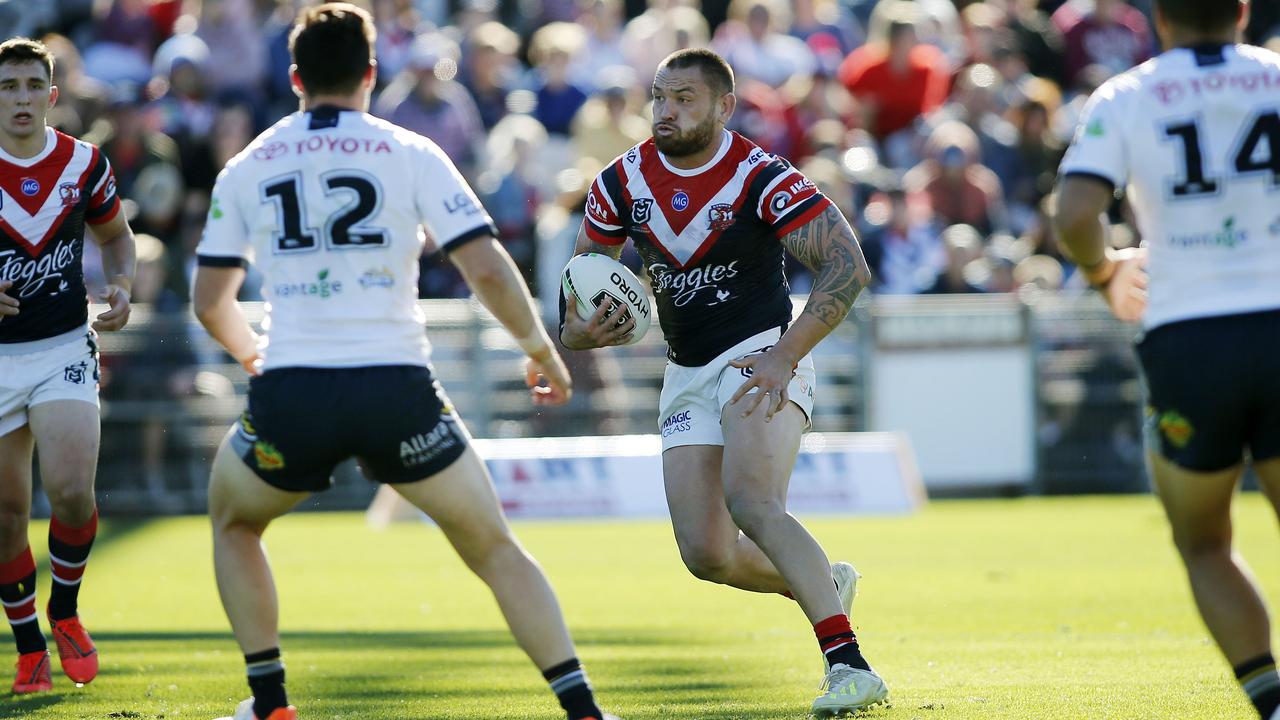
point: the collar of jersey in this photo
(725, 141)
(50, 142)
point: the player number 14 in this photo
(1250, 158)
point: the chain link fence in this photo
(170, 394)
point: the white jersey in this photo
(1194, 136)
(331, 207)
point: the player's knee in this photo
(72, 503)
(1201, 543)
(753, 515)
(707, 562)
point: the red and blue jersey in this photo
(709, 238)
(45, 202)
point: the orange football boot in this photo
(75, 649)
(33, 673)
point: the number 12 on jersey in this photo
(344, 229)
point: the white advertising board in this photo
(621, 476)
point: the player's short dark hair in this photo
(23, 50)
(1201, 14)
(332, 45)
(714, 69)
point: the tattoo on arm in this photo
(587, 245)
(827, 246)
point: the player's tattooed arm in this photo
(587, 245)
(827, 246)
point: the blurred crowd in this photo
(936, 125)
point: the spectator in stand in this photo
(602, 20)
(666, 26)
(237, 51)
(975, 101)
(1037, 39)
(1039, 154)
(515, 185)
(753, 43)
(398, 23)
(895, 78)
(490, 69)
(963, 245)
(902, 247)
(125, 35)
(608, 124)
(822, 24)
(1109, 33)
(146, 163)
(982, 25)
(81, 99)
(426, 99)
(953, 184)
(181, 108)
(550, 50)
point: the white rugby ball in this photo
(598, 279)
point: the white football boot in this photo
(846, 578)
(244, 711)
(847, 689)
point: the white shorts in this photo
(64, 367)
(693, 397)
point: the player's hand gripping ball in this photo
(607, 292)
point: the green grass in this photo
(1037, 608)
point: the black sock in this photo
(569, 682)
(18, 591)
(1261, 683)
(838, 643)
(68, 554)
(266, 680)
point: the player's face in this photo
(687, 114)
(25, 98)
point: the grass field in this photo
(1036, 608)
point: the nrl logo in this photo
(640, 210)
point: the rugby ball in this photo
(597, 279)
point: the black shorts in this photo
(302, 422)
(1213, 389)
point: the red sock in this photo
(68, 554)
(18, 592)
(838, 643)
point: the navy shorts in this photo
(1213, 389)
(302, 422)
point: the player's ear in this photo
(53, 95)
(727, 104)
(295, 81)
(1242, 21)
(371, 73)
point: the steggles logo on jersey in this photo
(640, 211)
(70, 194)
(685, 285)
(29, 276)
(30, 187)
